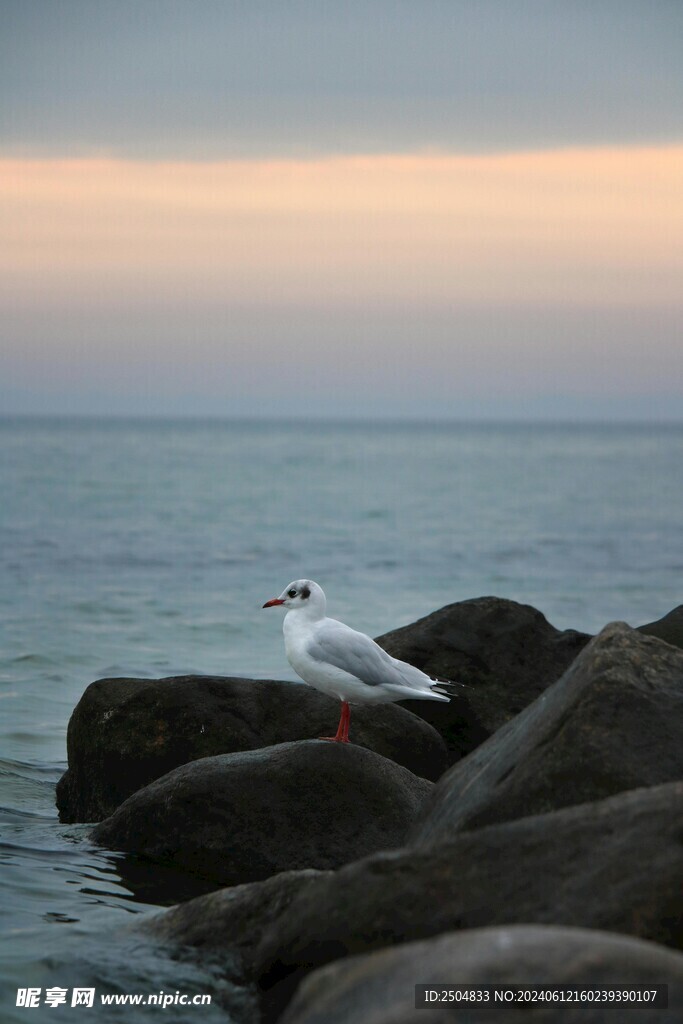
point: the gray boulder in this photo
(227, 925)
(124, 733)
(615, 864)
(379, 988)
(613, 722)
(506, 653)
(242, 817)
(669, 628)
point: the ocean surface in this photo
(148, 547)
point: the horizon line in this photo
(343, 419)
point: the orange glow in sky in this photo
(577, 226)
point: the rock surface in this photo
(613, 722)
(615, 864)
(506, 653)
(124, 733)
(379, 988)
(669, 628)
(227, 925)
(242, 817)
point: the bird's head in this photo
(301, 595)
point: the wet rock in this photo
(124, 733)
(380, 988)
(615, 864)
(506, 654)
(242, 817)
(613, 722)
(227, 925)
(669, 628)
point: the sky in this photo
(382, 209)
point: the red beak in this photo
(271, 604)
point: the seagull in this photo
(338, 660)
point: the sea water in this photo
(148, 547)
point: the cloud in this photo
(580, 226)
(400, 280)
(216, 79)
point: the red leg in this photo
(347, 721)
(342, 735)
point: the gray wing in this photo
(353, 652)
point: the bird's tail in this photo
(447, 687)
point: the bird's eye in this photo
(291, 593)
